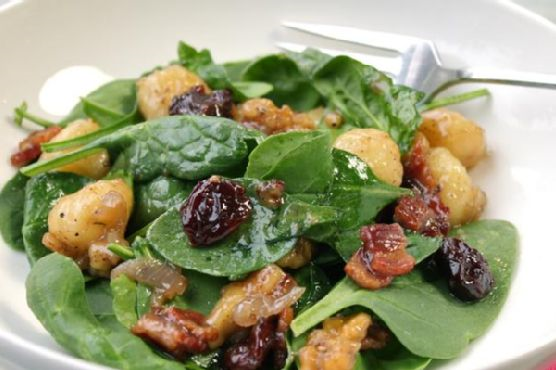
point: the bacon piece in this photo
(30, 147)
(415, 164)
(381, 257)
(179, 332)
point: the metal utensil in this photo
(417, 63)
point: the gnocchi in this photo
(377, 149)
(95, 166)
(82, 224)
(465, 201)
(156, 91)
(461, 136)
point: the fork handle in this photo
(508, 77)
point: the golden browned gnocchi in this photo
(465, 201)
(95, 166)
(156, 91)
(461, 136)
(377, 149)
(82, 224)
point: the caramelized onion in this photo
(261, 306)
(165, 279)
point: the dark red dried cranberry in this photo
(251, 352)
(198, 102)
(214, 209)
(468, 273)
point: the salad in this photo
(297, 210)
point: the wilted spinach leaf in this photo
(124, 293)
(56, 295)
(112, 102)
(268, 235)
(154, 198)
(41, 193)
(185, 147)
(423, 315)
(203, 291)
(11, 211)
(303, 160)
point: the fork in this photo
(418, 63)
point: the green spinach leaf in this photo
(316, 283)
(423, 315)
(56, 295)
(41, 193)
(124, 293)
(185, 147)
(290, 85)
(203, 291)
(112, 102)
(99, 297)
(357, 192)
(12, 197)
(154, 198)
(302, 160)
(265, 237)
(216, 76)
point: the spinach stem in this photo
(121, 250)
(84, 139)
(454, 99)
(45, 166)
(21, 113)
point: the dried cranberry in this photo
(381, 257)
(265, 346)
(214, 209)
(198, 102)
(469, 276)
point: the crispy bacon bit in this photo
(30, 147)
(377, 337)
(415, 164)
(335, 346)
(263, 115)
(423, 212)
(266, 341)
(271, 193)
(381, 257)
(177, 331)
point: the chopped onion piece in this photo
(258, 306)
(165, 279)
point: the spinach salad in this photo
(296, 210)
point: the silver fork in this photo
(418, 63)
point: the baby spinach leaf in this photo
(316, 284)
(124, 302)
(423, 315)
(302, 160)
(203, 291)
(216, 76)
(41, 193)
(290, 85)
(112, 102)
(154, 198)
(401, 360)
(357, 192)
(185, 147)
(99, 297)
(12, 197)
(367, 98)
(265, 237)
(56, 295)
